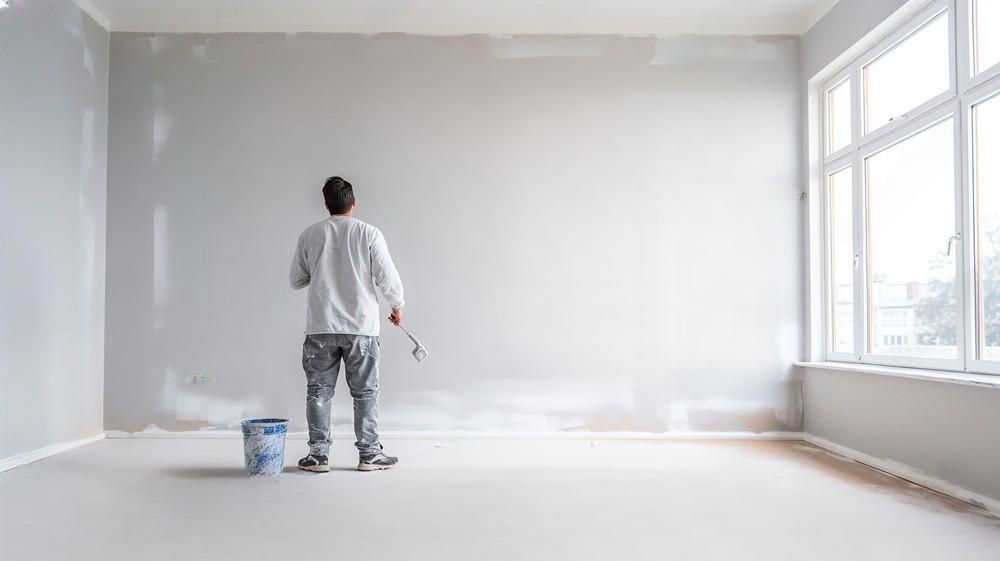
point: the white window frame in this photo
(830, 300)
(976, 96)
(966, 15)
(965, 91)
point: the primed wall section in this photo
(594, 233)
(53, 154)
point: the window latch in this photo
(953, 239)
(857, 258)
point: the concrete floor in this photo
(481, 500)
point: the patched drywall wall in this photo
(595, 233)
(53, 155)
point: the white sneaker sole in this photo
(371, 467)
(315, 469)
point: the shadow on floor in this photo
(234, 472)
(293, 469)
(216, 472)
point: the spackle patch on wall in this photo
(193, 406)
(162, 122)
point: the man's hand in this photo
(397, 316)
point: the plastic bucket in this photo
(264, 446)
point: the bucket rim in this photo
(264, 422)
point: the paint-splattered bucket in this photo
(264, 446)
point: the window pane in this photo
(986, 178)
(913, 72)
(911, 216)
(987, 33)
(842, 260)
(838, 117)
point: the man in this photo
(344, 261)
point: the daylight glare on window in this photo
(911, 220)
(986, 33)
(839, 116)
(986, 179)
(842, 257)
(907, 75)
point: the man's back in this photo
(345, 263)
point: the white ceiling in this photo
(455, 17)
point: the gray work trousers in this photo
(321, 356)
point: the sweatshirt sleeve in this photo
(384, 272)
(299, 276)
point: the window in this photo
(985, 34)
(842, 257)
(986, 182)
(838, 117)
(911, 216)
(904, 287)
(911, 72)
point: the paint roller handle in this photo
(410, 335)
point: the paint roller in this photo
(419, 352)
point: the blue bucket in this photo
(264, 446)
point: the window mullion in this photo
(963, 257)
(959, 55)
(860, 207)
(860, 212)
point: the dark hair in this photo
(338, 194)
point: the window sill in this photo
(962, 378)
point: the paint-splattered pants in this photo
(321, 356)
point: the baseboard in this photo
(430, 435)
(909, 473)
(42, 453)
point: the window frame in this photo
(966, 90)
(890, 43)
(917, 126)
(838, 80)
(966, 13)
(977, 96)
(830, 296)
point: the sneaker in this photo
(314, 462)
(375, 462)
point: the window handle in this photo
(953, 239)
(857, 258)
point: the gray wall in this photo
(53, 154)
(594, 233)
(947, 431)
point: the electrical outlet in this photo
(200, 378)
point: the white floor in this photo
(481, 500)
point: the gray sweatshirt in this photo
(343, 261)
